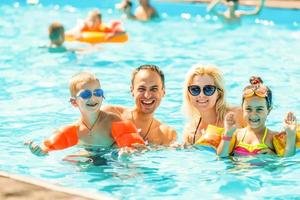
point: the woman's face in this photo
(255, 111)
(203, 102)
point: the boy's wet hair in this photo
(55, 30)
(232, 0)
(149, 67)
(80, 78)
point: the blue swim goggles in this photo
(87, 94)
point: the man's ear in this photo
(73, 101)
(164, 92)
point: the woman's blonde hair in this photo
(213, 72)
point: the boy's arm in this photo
(62, 139)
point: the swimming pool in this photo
(34, 96)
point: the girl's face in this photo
(203, 102)
(255, 111)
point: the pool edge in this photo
(43, 187)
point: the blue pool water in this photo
(34, 96)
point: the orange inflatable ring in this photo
(125, 134)
(98, 37)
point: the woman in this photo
(204, 102)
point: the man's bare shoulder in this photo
(167, 131)
(114, 109)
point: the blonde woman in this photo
(204, 102)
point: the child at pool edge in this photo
(255, 138)
(93, 129)
(93, 23)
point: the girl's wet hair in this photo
(255, 83)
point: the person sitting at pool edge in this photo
(147, 89)
(232, 13)
(143, 12)
(94, 129)
(93, 23)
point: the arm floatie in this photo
(64, 138)
(279, 142)
(212, 138)
(125, 134)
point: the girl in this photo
(256, 138)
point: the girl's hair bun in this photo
(255, 80)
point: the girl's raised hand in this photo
(290, 124)
(230, 124)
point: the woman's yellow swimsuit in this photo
(247, 149)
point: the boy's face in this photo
(147, 90)
(255, 111)
(93, 102)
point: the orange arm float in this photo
(64, 138)
(125, 134)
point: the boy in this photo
(94, 128)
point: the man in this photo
(147, 89)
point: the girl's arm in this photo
(223, 149)
(290, 125)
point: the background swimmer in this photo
(93, 23)
(232, 14)
(143, 12)
(56, 33)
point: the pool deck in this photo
(16, 187)
(289, 4)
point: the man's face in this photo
(147, 90)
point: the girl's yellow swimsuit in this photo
(247, 149)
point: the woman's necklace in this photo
(90, 129)
(149, 128)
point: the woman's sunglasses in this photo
(86, 94)
(208, 90)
